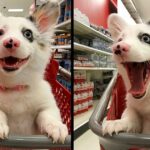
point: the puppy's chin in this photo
(11, 72)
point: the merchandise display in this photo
(101, 84)
(93, 65)
(98, 57)
(93, 60)
(78, 15)
(62, 39)
(95, 43)
(62, 42)
(83, 93)
(65, 11)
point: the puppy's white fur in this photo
(136, 117)
(32, 110)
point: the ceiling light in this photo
(15, 10)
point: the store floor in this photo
(84, 117)
(87, 141)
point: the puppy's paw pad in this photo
(57, 131)
(114, 126)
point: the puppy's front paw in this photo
(56, 130)
(4, 130)
(116, 126)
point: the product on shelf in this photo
(101, 44)
(83, 99)
(96, 43)
(101, 29)
(82, 61)
(62, 39)
(93, 60)
(101, 84)
(68, 10)
(79, 76)
(81, 58)
(78, 15)
(65, 11)
(83, 93)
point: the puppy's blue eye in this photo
(27, 33)
(145, 38)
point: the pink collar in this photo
(14, 88)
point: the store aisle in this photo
(87, 141)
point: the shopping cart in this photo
(62, 96)
(115, 94)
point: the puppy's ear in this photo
(45, 16)
(115, 25)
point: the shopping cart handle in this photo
(140, 140)
(34, 142)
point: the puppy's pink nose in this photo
(120, 48)
(11, 43)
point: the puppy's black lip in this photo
(139, 97)
(9, 69)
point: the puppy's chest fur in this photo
(21, 109)
(141, 106)
(143, 109)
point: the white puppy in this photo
(131, 52)
(27, 105)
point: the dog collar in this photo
(14, 88)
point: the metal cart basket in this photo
(62, 96)
(123, 141)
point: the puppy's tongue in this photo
(136, 77)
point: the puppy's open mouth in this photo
(139, 76)
(11, 63)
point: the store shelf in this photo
(93, 68)
(61, 47)
(85, 48)
(66, 25)
(62, 50)
(83, 29)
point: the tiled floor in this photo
(87, 141)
